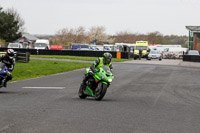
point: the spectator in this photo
(148, 51)
(140, 53)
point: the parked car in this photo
(42, 44)
(78, 46)
(96, 47)
(154, 54)
(86, 49)
(193, 52)
(15, 45)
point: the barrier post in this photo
(1, 53)
(27, 57)
(118, 55)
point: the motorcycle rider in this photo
(9, 60)
(100, 62)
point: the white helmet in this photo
(10, 53)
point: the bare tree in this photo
(60, 36)
(69, 36)
(18, 18)
(127, 37)
(97, 33)
(155, 37)
(80, 35)
(65, 35)
(141, 37)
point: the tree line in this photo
(152, 37)
(98, 34)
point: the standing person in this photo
(140, 53)
(148, 51)
(9, 61)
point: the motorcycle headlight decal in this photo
(103, 77)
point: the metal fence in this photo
(124, 55)
(192, 58)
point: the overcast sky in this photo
(136, 16)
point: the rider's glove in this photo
(94, 71)
(91, 72)
(111, 70)
(8, 73)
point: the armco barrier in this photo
(192, 58)
(20, 57)
(31, 51)
(1, 53)
(124, 55)
(74, 53)
(23, 57)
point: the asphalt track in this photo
(143, 98)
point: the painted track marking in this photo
(57, 88)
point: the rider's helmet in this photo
(107, 58)
(10, 53)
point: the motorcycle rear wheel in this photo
(81, 94)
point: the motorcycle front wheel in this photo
(101, 92)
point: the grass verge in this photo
(76, 58)
(38, 68)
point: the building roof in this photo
(29, 36)
(193, 28)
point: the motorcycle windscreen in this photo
(2, 66)
(2, 69)
(107, 70)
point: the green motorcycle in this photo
(97, 86)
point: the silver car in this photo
(193, 52)
(154, 54)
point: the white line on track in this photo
(57, 88)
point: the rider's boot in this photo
(83, 84)
(4, 82)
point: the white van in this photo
(108, 47)
(42, 44)
(15, 45)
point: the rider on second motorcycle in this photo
(100, 62)
(9, 60)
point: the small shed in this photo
(194, 37)
(27, 40)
